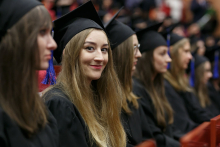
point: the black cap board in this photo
(174, 38)
(150, 39)
(66, 27)
(117, 32)
(13, 10)
(199, 60)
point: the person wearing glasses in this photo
(126, 53)
(148, 85)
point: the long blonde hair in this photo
(19, 60)
(100, 103)
(175, 75)
(123, 56)
(201, 88)
(155, 88)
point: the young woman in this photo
(25, 47)
(86, 100)
(125, 53)
(202, 75)
(188, 113)
(148, 85)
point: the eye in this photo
(43, 31)
(89, 48)
(104, 50)
(163, 53)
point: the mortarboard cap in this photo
(199, 60)
(69, 25)
(13, 10)
(174, 38)
(117, 31)
(150, 39)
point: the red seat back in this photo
(147, 143)
(57, 69)
(215, 131)
(198, 137)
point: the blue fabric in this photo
(215, 69)
(192, 75)
(50, 77)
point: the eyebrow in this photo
(95, 43)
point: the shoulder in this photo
(57, 97)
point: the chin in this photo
(44, 66)
(95, 77)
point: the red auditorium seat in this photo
(198, 137)
(147, 143)
(215, 131)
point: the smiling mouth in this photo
(96, 66)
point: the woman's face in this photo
(184, 56)
(46, 44)
(207, 72)
(201, 48)
(137, 53)
(161, 59)
(94, 55)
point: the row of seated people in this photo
(116, 87)
(170, 106)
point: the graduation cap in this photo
(213, 55)
(196, 61)
(150, 39)
(67, 26)
(117, 31)
(13, 10)
(199, 60)
(174, 38)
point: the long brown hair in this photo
(19, 60)
(200, 87)
(123, 56)
(155, 88)
(175, 75)
(100, 103)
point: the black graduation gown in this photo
(11, 135)
(168, 138)
(72, 128)
(188, 113)
(135, 126)
(214, 95)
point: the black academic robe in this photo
(11, 135)
(214, 95)
(167, 138)
(72, 128)
(135, 126)
(188, 113)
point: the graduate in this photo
(213, 85)
(86, 101)
(202, 75)
(188, 112)
(148, 85)
(25, 45)
(125, 52)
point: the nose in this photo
(99, 56)
(210, 75)
(168, 59)
(138, 54)
(190, 56)
(51, 43)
